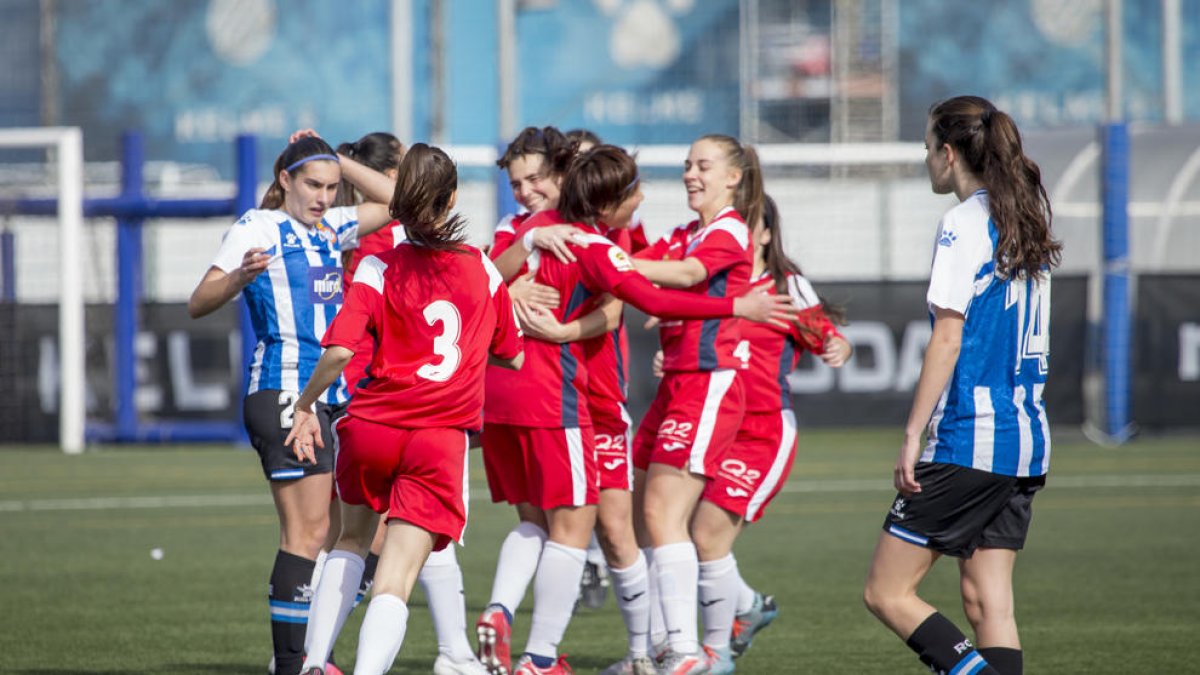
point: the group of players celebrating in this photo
(432, 346)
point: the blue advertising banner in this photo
(193, 74)
(1043, 61)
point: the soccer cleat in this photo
(313, 671)
(593, 587)
(631, 665)
(494, 634)
(746, 626)
(659, 651)
(525, 666)
(444, 665)
(679, 663)
(720, 660)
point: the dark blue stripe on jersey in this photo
(1040, 442)
(616, 340)
(570, 365)
(708, 333)
(570, 396)
(295, 265)
(579, 295)
(262, 317)
(785, 367)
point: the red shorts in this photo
(547, 468)
(416, 475)
(750, 476)
(614, 443)
(692, 422)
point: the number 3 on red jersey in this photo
(444, 345)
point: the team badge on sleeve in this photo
(619, 259)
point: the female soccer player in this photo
(750, 476)
(435, 308)
(696, 413)
(556, 473)
(968, 492)
(285, 257)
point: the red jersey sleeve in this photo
(607, 269)
(507, 340)
(720, 248)
(361, 306)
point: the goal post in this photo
(66, 144)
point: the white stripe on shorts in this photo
(778, 465)
(466, 487)
(719, 382)
(625, 417)
(578, 466)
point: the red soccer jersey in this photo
(723, 247)
(608, 357)
(388, 237)
(550, 390)
(773, 353)
(434, 316)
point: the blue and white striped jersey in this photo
(991, 416)
(293, 301)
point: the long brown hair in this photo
(303, 148)
(779, 265)
(556, 149)
(989, 143)
(378, 150)
(599, 180)
(748, 195)
(425, 186)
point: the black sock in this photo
(290, 596)
(368, 577)
(942, 646)
(1005, 660)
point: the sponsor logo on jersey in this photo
(947, 239)
(326, 285)
(326, 231)
(292, 241)
(619, 260)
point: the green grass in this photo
(1109, 582)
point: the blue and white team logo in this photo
(292, 241)
(326, 285)
(947, 239)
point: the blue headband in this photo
(309, 159)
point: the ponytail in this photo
(989, 143)
(425, 186)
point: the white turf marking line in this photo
(800, 486)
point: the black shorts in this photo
(268, 418)
(960, 509)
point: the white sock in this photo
(331, 604)
(630, 586)
(441, 577)
(745, 599)
(381, 634)
(560, 569)
(678, 574)
(595, 554)
(718, 599)
(319, 567)
(519, 555)
(658, 628)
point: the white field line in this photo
(800, 486)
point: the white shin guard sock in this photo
(518, 562)
(745, 600)
(718, 599)
(554, 591)
(631, 588)
(678, 574)
(331, 604)
(442, 580)
(658, 628)
(381, 634)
